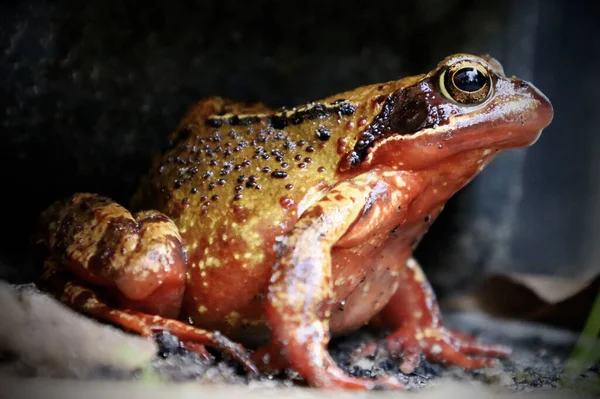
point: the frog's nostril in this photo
(524, 85)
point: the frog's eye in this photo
(466, 83)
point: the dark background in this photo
(90, 89)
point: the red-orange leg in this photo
(85, 300)
(137, 261)
(414, 315)
(300, 289)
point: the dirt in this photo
(43, 347)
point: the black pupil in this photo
(469, 79)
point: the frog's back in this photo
(235, 178)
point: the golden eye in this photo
(466, 83)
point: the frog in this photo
(263, 233)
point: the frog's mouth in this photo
(514, 117)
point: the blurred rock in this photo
(39, 331)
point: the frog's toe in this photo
(470, 346)
(439, 345)
(198, 349)
(336, 378)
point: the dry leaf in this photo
(552, 300)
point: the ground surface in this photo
(46, 346)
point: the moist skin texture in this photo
(280, 228)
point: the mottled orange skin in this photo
(325, 248)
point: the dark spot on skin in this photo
(284, 165)
(308, 160)
(241, 179)
(237, 197)
(211, 185)
(310, 148)
(215, 138)
(323, 133)
(427, 218)
(238, 188)
(185, 202)
(346, 109)
(354, 158)
(298, 157)
(288, 145)
(301, 143)
(214, 122)
(281, 120)
(221, 182)
(278, 121)
(266, 169)
(302, 165)
(321, 169)
(404, 112)
(117, 228)
(203, 198)
(214, 197)
(278, 174)
(289, 186)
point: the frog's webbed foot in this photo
(413, 314)
(85, 300)
(271, 359)
(437, 344)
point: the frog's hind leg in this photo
(413, 314)
(97, 247)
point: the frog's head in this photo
(465, 104)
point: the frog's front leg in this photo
(300, 289)
(413, 314)
(129, 270)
